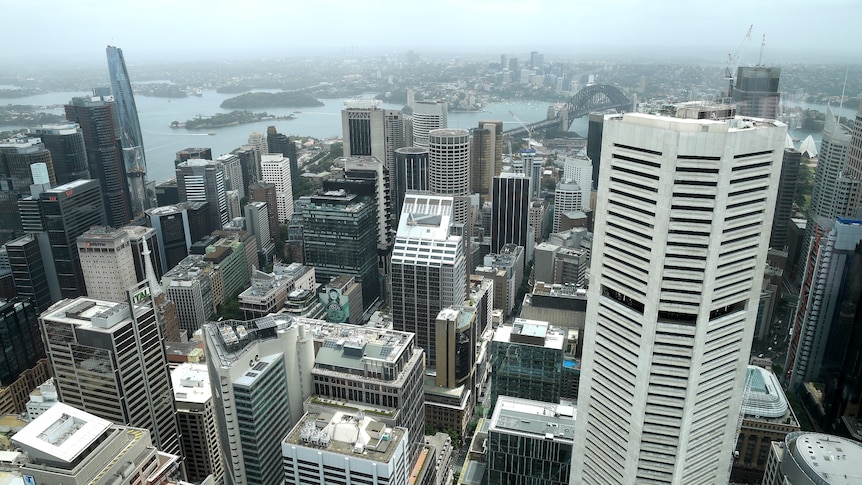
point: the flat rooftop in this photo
(537, 419)
(348, 346)
(88, 313)
(349, 434)
(61, 432)
(532, 332)
(191, 383)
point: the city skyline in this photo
(162, 31)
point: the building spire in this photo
(155, 287)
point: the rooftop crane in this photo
(530, 140)
(733, 62)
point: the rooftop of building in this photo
(559, 290)
(422, 213)
(537, 419)
(61, 432)
(191, 383)
(282, 275)
(462, 315)
(764, 399)
(532, 332)
(192, 267)
(735, 124)
(21, 144)
(826, 459)
(67, 128)
(231, 337)
(105, 233)
(363, 104)
(350, 346)
(349, 434)
(88, 313)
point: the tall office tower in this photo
(16, 157)
(107, 263)
(784, 200)
(21, 344)
(545, 429)
(265, 192)
(196, 416)
(340, 238)
(486, 156)
(756, 91)
(449, 168)
(392, 384)
(66, 445)
(57, 217)
(370, 453)
(190, 285)
(141, 239)
(535, 167)
(98, 119)
(173, 233)
(249, 160)
(429, 267)
(579, 170)
(527, 361)
(510, 207)
(367, 176)
(130, 130)
(854, 163)
(594, 144)
(257, 222)
(514, 69)
(260, 375)
(536, 219)
(65, 141)
(204, 181)
(259, 143)
(568, 197)
(674, 289)
(108, 359)
(537, 61)
(832, 189)
(29, 273)
(187, 154)
(275, 170)
(369, 130)
(411, 174)
(427, 116)
(841, 401)
(280, 144)
(232, 173)
(822, 302)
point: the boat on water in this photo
(212, 133)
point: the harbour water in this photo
(161, 142)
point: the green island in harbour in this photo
(283, 99)
(220, 120)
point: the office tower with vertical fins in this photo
(681, 235)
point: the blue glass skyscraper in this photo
(133, 143)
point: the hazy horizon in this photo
(74, 34)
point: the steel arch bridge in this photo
(595, 97)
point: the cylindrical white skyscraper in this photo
(449, 167)
(427, 116)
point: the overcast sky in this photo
(177, 30)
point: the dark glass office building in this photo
(65, 141)
(20, 339)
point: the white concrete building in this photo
(107, 263)
(342, 447)
(275, 169)
(568, 197)
(427, 116)
(814, 459)
(681, 237)
(449, 167)
(429, 267)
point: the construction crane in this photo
(530, 140)
(762, 46)
(733, 62)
